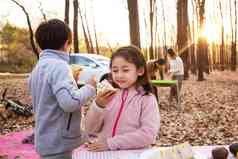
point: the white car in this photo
(92, 64)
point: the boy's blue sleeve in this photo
(29, 90)
(64, 87)
(29, 84)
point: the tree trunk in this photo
(89, 36)
(96, 38)
(233, 45)
(193, 49)
(151, 49)
(75, 26)
(66, 12)
(146, 39)
(182, 33)
(201, 49)
(193, 60)
(109, 46)
(134, 22)
(214, 56)
(164, 25)
(202, 43)
(34, 48)
(84, 33)
(222, 47)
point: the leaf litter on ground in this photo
(209, 114)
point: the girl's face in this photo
(124, 74)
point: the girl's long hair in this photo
(133, 55)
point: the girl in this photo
(128, 118)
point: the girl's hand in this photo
(103, 98)
(92, 81)
(100, 145)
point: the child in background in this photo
(56, 98)
(128, 118)
(152, 67)
(156, 65)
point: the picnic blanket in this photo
(12, 147)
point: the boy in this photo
(55, 97)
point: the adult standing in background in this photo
(176, 70)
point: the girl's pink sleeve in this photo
(146, 134)
(94, 119)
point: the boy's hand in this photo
(100, 145)
(92, 81)
(103, 98)
(76, 71)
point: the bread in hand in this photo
(76, 69)
(105, 86)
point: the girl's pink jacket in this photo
(137, 127)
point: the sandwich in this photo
(76, 69)
(105, 86)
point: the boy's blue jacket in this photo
(56, 103)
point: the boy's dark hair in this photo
(53, 34)
(220, 153)
(171, 52)
(132, 54)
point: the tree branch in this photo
(29, 27)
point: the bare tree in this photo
(33, 45)
(66, 12)
(89, 36)
(193, 55)
(156, 39)
(152, 10)
(109, 46)
(233, 37)
(222, 47)
(146, 39)
(95, 36)
(202, 43)
(75, 26)
(84, 32)
(164, 24)
(134, 22)
(182, 33)
(215, 48)
(42, 10)
(232, 30)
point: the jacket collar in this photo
(133, 91)
(54, 54)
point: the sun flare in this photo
(211, 33)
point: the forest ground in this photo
(209, 113)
